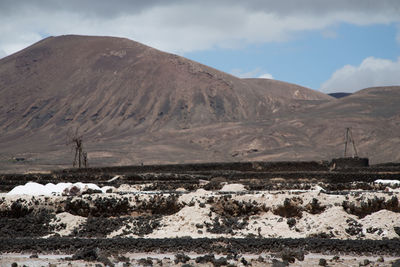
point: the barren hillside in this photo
(112, 82)
(133, 104)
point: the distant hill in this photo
(339, 95)
(133, 104)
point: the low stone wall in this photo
(218, 166)
(346, 163)
(288, 172)
(201, 245)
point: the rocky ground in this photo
(212, 222)
(191, 259)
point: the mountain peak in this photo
(110, 81)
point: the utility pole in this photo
(85, 160)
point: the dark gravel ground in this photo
(170, 177)
(201, 245)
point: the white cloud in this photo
(371, 72)
(246, 74)
(266, 76)
(2, 53)
(181, 26)
(255, 73)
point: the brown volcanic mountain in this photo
(113, 82)
(135, 104)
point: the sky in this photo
(331, 46)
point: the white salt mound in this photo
(233, 188)
(387, 181)
(317, 188)
(193, 195)
(35, 189)
(70, 221)
(113, 179)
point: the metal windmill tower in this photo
(80, 158)
(78, 152)
(350, 139)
